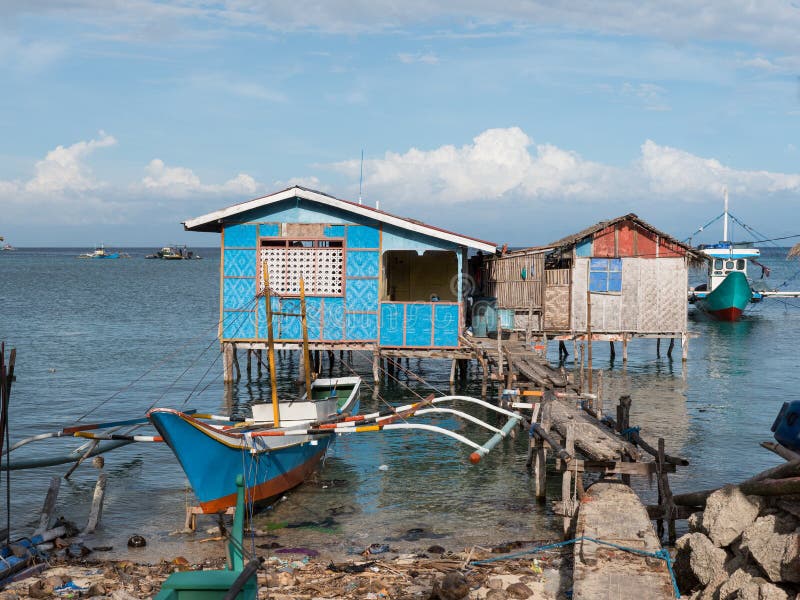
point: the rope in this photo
(661, 554)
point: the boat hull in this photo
(728, 300)
(211, 460)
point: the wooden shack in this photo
(373, 280)
(631, 278)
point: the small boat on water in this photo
(273, 459)
(728, 290)
(101, 252)
(8, 247)
(174, 253)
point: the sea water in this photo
(102, 340)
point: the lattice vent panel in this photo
(321, 268)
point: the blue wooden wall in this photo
(358, 316)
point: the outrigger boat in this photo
(279, 445)
(728, 290)
(100, 252)
(174, 253)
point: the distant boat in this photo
(174, 253)
(8, 248)
(100, 252)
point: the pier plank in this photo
(593, 439)
(612, 512)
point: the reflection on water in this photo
(153, 323)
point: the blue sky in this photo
(512, 121)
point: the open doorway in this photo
(412, 277)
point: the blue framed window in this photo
(605, 275)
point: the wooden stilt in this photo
(236, 369)
(623, 423)
(580, 381)
(484, 375)
(658, 347)
(624, 348)
(227, 362)
(540, 459)
(666, 493)
(96, 511)
(453, 373)
(249, 364)
(49, 506)
(566, 481)
(259, 359)
(598, 403)
(684, 347)
(671, 346)
(376, 377)
(612, 351)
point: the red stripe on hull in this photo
(268, 489)
(727, 314)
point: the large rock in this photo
(728, 513)
(698, 562)
(774, 543)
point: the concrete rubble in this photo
(741, 548)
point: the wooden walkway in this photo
(612, 512)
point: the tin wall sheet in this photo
(238, 325)
(239, 263)
(333, 317)
(239, 293)
(361, 326)
(446, 326)
(362, 263)
(419, 324)
(392, 324)
(362, 295)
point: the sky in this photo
(513, 121)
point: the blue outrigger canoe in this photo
(272, 459)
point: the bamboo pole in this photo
(304, 325)
(276, 413)
(97, 504)
(589, 336)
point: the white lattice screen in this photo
(321, 268)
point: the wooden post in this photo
(484, 375)
(624, 348)
(566, 480)
(623, 423)
(499, 348)
(452, 373)
(612, 350)
(666, 493)
(589, 335)
(49, 506)
(304, 325)
(235, 356)
(540, 458)
(580, 381)
(376, 371)
(97, 504)
(658, 347)
(598, 405)
(259, 359)
(671, 346)
(249, 363)
(684, 346)
(273, 378)
(227, 362)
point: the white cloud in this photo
(428, 58)
(28, 56)
(65, 169)
(181, 181)
(649, 94)
(504, 164)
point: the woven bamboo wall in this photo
(653, 298)
(504, 281)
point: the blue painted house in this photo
(372, 278)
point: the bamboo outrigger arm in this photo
(458, 413)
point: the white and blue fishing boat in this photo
(100, 252)
(273, 454)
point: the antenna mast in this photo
(361, 176)
(725, 222)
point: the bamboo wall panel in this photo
(557, 310)
(579, 283)
(504, 281)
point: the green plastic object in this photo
(214, 585)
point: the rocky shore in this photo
(741, 547)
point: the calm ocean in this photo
(101, 340)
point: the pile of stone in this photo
(741, 547)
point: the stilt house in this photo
(372, 279)
(631, 277)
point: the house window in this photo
(319, 262)
(605, 275)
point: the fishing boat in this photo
(174, 253)
(8, 247)
(272, 458)
(728, 290)
(100, 252)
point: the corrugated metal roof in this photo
(573, 239)
(214, 221)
